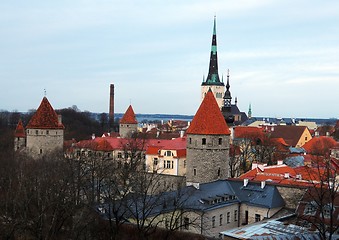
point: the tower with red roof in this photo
(128, 123)
(19, 137)
(208, 139)
(45, 131)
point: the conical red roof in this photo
(45, 117)
(20, 130)
(208, 120)
(129, 116)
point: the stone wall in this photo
(43, 141)
(125, 130)
(207, 160)
(291, 195)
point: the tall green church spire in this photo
(213, 76)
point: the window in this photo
(306, 138)
(228, 217)
(184, 163)
(168, 164)
(36, 132)
(220, 219)
(257, 218)
(213, 222)
(203, 141)
(190, 140)
(235, 215)
(119, 155)
(168, 153)
(186, 223)
(155, 161)
(194, 172)
(310, 208)
(327, 210)
(47, 132)
(40, 151)
(218, 172)
(220, 141)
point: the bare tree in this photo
(319, 207)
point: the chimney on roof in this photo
(93, 136)
(263, 183)
(316, 134)
(59, 119)
(298, 176)
(327, 134)
(272, 129)
(280, 162)
(245, 182)
(287, 175)
(182, 133)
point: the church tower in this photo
(227, 106)
(208, 139)
(213, 81)
(128, 123)
(45, 131)
(249, 112)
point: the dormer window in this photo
(168, 153)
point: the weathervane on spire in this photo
(45, 92)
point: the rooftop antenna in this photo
(45, 92)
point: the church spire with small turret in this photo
(213, 75)
(227, 96)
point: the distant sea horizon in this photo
(141, 117)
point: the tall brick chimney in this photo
(111, 104)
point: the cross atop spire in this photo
(213, 76)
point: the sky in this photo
(283, 56)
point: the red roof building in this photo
(20, 130)
(320, 145)
(45, 117)
(209, 120)
(282, 174)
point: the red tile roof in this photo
(248, 132)
(20, 130)
(150, 145)
(208, 120)
(318, 145)
(45, 117)
(129, 116)
(277, 174)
